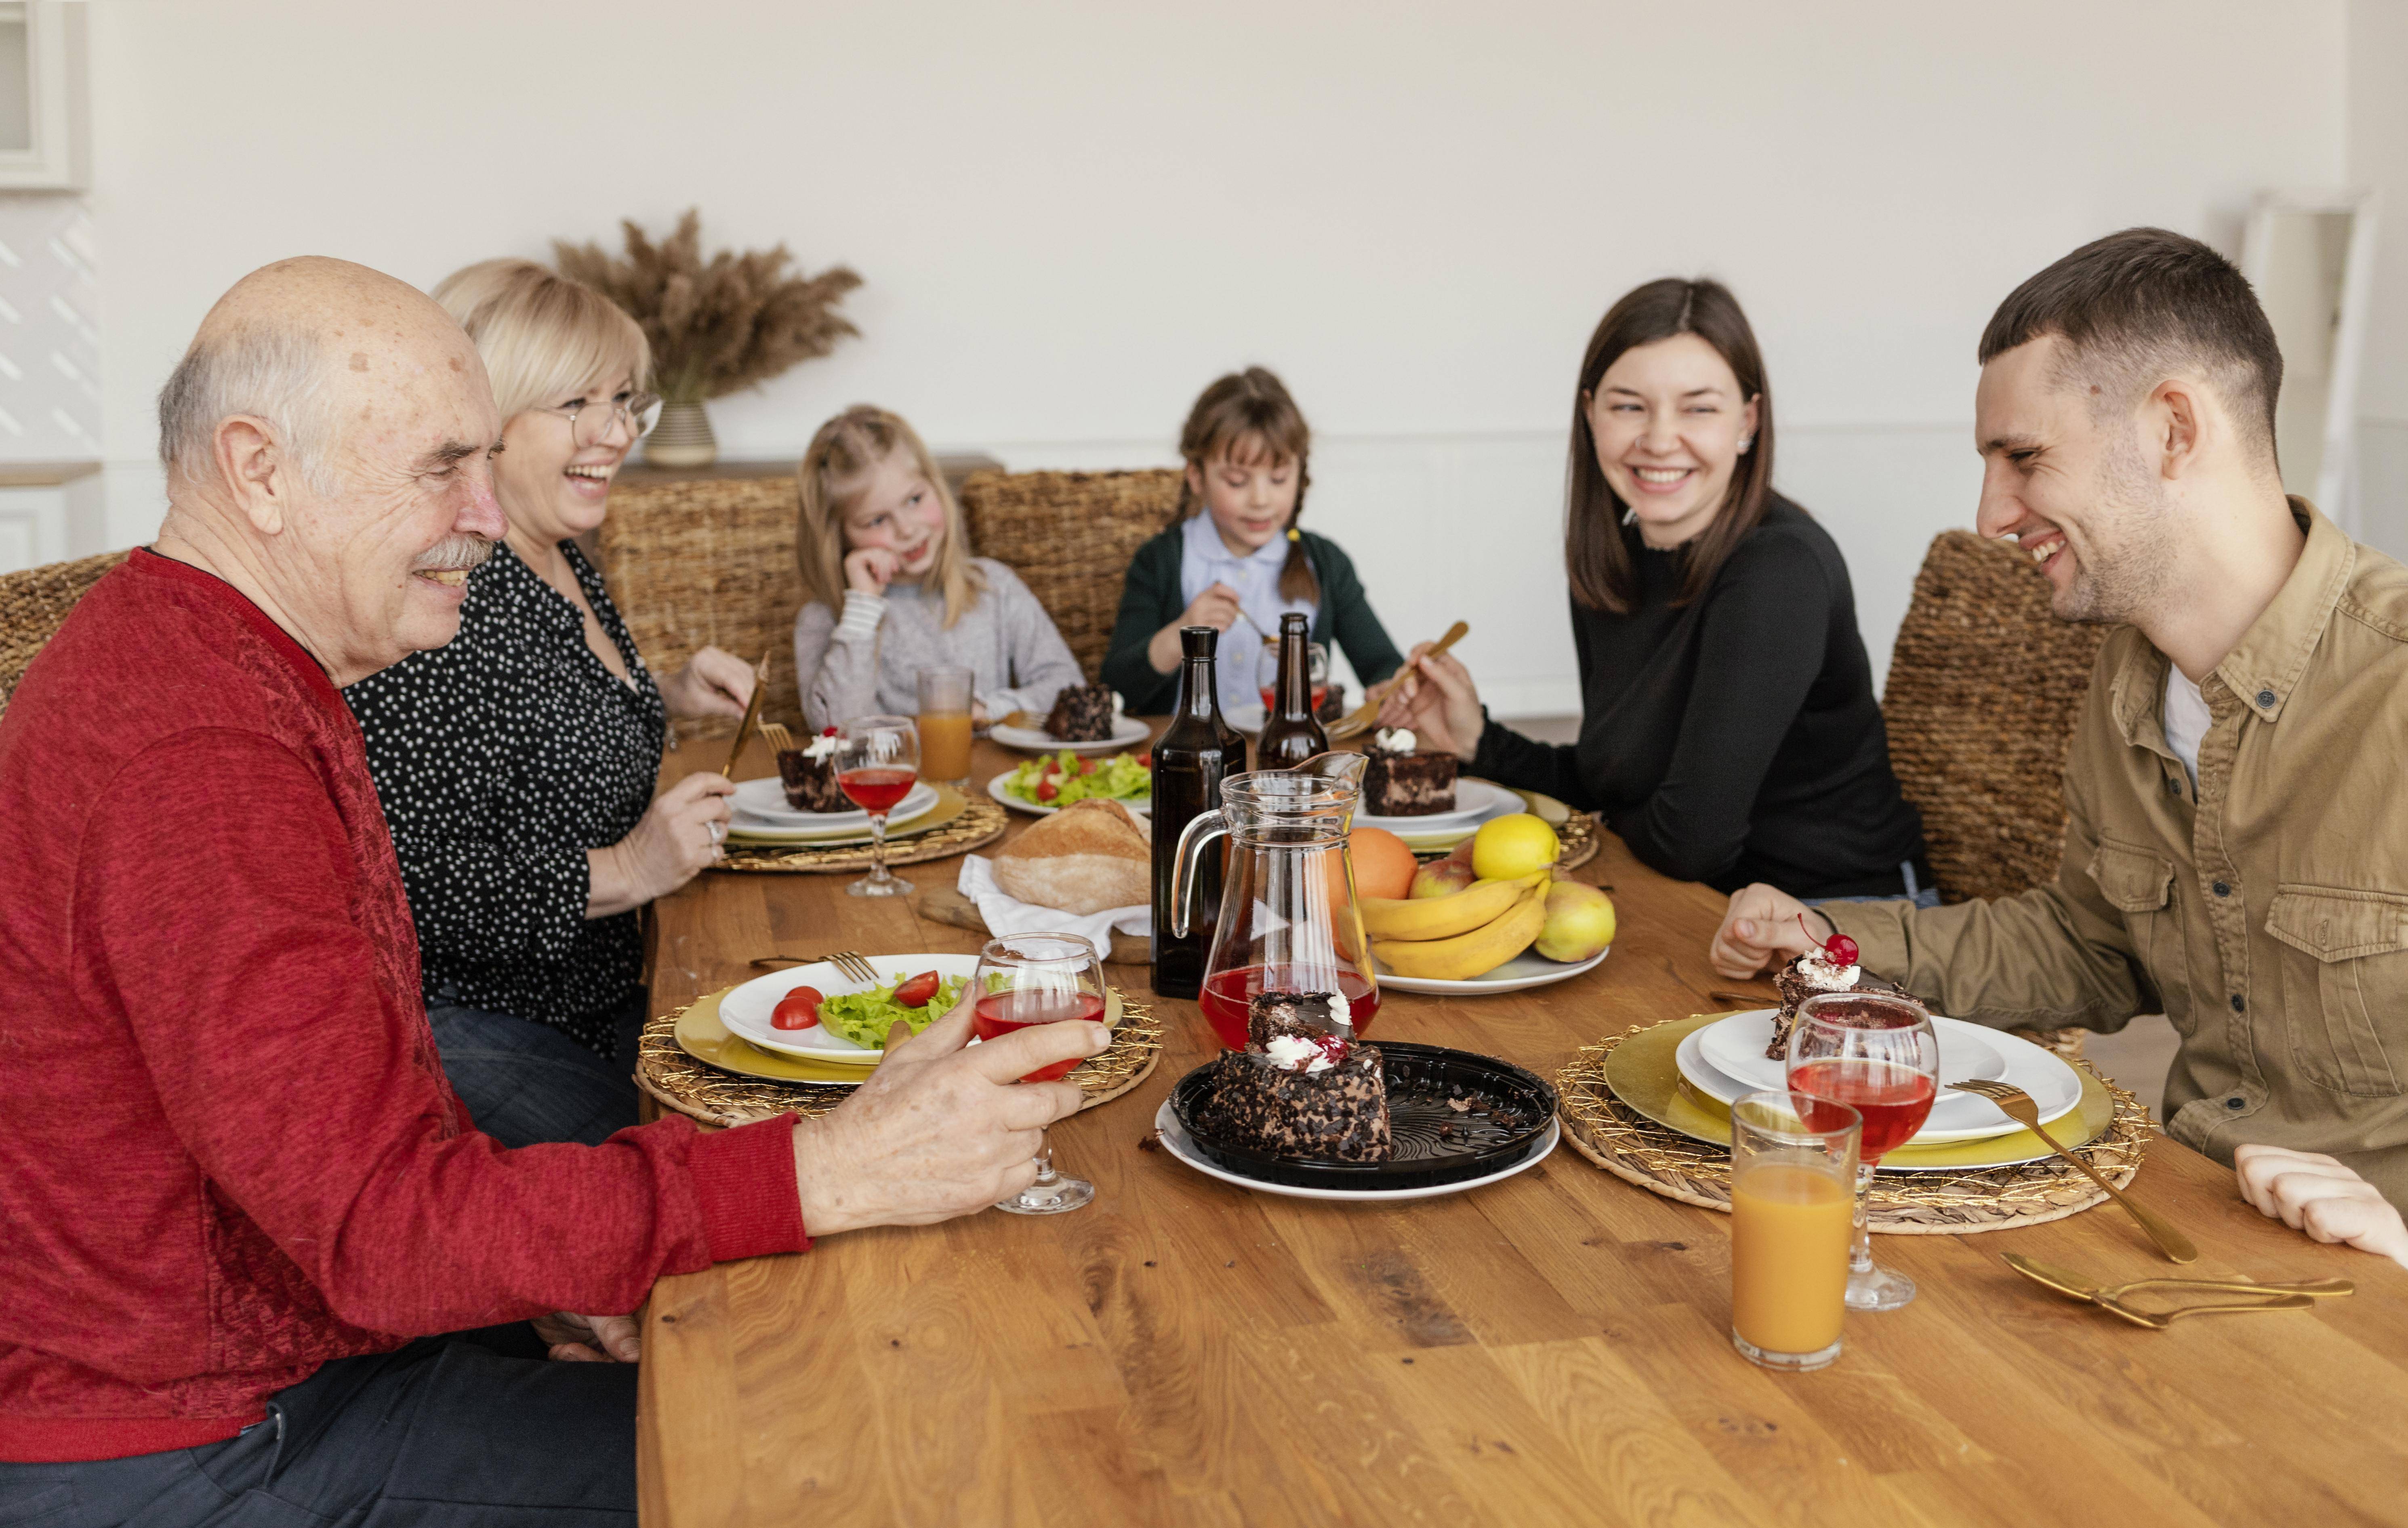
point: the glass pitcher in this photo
(1288, 920)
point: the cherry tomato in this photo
(798, 1009)
(915, 992)
(1145, 760)
(1088, 766)
(1047, 790)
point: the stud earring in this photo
(1745, 442)
(1630, 516)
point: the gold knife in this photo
(751, 715)
(2074, 1285)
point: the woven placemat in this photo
(982, 822)
(1637, 1149)
(704, 1093)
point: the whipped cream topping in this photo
(819, 747)
(1396, 740)
(1293, 1052)
(1822, 973)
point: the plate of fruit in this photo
(1489, 918)
(1052, 781)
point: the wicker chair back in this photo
(1984, 686)
(1069, 536)
(34, 603)
(708, 562)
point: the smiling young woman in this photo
(1728, 723)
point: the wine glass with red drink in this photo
(1267, 676)
(1038, 978)
(1876, 1053)
(877, 760)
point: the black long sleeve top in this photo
(1737, 739)
(501, 758)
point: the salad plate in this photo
(746, 1011)
(762, 803)
(1127, 730)
(1120, 778)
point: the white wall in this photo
(2378, 150)
(1072, 216)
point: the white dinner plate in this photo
(1736, 1046)
(762, 803)
(1128, 732)
(1528, 969)
(1175, 1141)
(1476, 801)
(1955, 1116)
(746, 1010)
(1247, 718)
(1046, 809)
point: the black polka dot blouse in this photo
(501, 759)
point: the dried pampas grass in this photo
(730, 322)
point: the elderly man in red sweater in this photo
(238, 1202)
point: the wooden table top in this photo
(1552, 1348)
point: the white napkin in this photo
(1007, 914)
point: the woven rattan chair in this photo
(709, 561)
(1984, 686)
(1069, 536)
(32, 603)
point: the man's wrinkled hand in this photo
(1761, 928)
(589, 1339)
(2313, 1193)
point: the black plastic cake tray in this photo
(1453, 1115)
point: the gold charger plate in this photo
(950, 805)
(1643, 1073)
(706, 1039)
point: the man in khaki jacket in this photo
(2236, 849)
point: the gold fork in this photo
(2017, 1105)
(848, 961)
(778, 737)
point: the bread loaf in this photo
(1090, 856)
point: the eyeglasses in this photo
(592, 419)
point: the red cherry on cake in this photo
(1839, 950)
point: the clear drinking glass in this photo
(945, 699)
(877, 760)
(1876, 1055)
(1038, 978)
(1793, 1182)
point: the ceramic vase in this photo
(683, 438)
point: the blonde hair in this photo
(828, 481)
(541, 334)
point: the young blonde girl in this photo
(1233, 549)
(891, 586)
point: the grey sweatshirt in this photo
(868, 661)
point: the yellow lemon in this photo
(1511, 846)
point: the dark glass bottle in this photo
(1193, 757)
(1291, 733)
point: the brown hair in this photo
(2138, 307)
(1252, 406)
(834, 465)
(1597, 552)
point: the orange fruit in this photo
(1383, 866)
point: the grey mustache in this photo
(466, 551)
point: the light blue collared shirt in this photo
(1204, 560)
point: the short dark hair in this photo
(2139, 305)
(1596, 551)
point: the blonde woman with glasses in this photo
(517, 764)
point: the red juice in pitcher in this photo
(1228, 995)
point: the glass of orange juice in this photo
(945, 724)
(1793, 1212)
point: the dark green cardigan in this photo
(1150, 601)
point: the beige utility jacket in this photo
(2266, 914)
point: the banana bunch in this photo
(1456, 938)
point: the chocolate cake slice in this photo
(1832, 968)
(1333, 703)
(1302, 1087)
(808, 775)
(1401, 783)
(1082, 713)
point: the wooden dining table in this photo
(1550, 1349)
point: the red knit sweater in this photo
(227, 1150)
